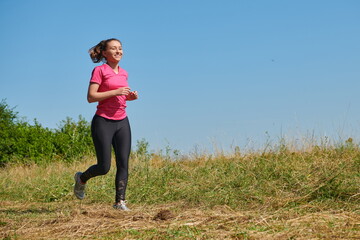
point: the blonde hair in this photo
(96, 51)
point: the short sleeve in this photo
(96, 76)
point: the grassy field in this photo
(282, 194)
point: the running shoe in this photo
(121, 206)
(79, 188)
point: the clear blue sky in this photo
(210, 74)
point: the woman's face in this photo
(113, 52)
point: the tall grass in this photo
(269, 179)
(273, 179)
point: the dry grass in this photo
(73, 220)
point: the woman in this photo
(110, 125)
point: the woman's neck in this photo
(113, 65)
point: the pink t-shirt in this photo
(113, 107)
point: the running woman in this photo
(110, 125)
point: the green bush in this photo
(7, 131)
(73, 139)
(32, 143)
(26, 143)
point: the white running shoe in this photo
(121, 206)
(79, 188)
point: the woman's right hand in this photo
(122, 91)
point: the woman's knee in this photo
(103, 169)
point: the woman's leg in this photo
(102, 131)
(122, 147)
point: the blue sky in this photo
(210, 74)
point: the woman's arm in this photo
(95, 96)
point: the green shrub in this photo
(73, 139)
(26, 143)
(33, 143)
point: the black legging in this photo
(106, 132)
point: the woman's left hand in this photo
(132, 96)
